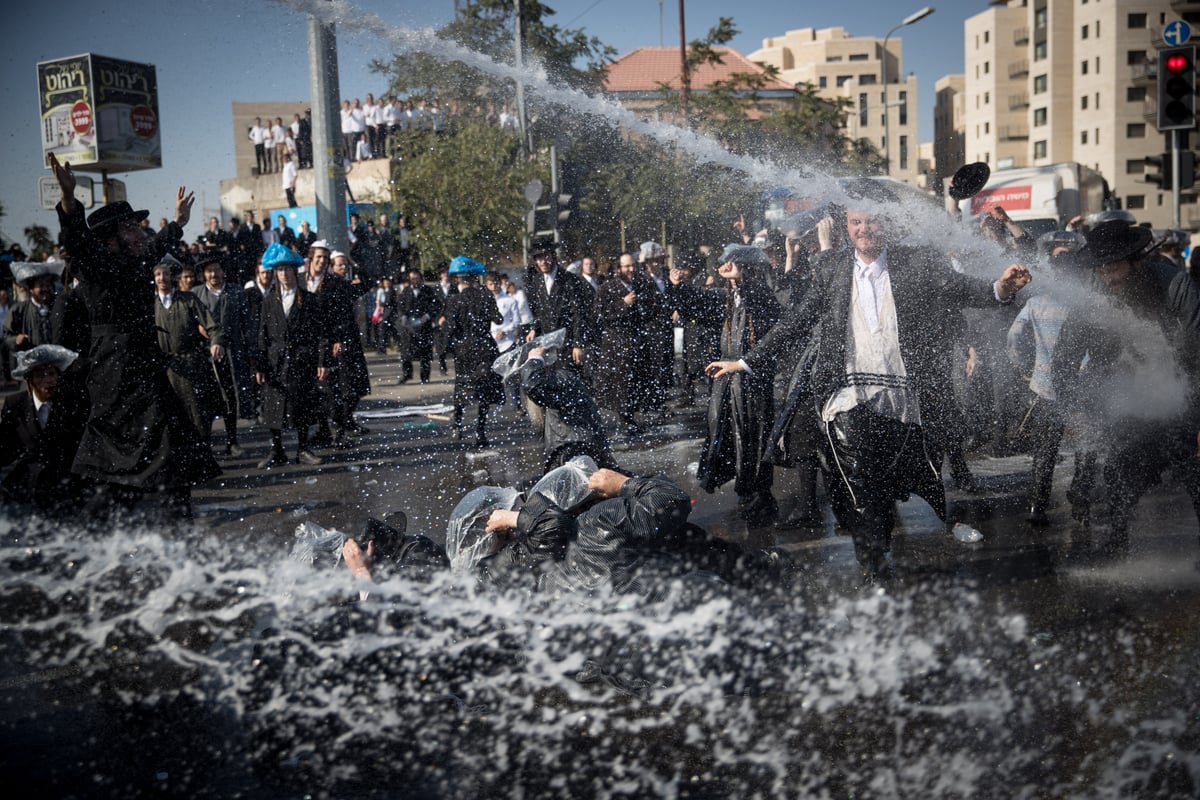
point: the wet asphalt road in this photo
(412, 464)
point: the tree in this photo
(486, 26)
(40, 241)
(463, 192)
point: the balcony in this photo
(1145, 72)
(1016, 102)
(1021, 37)
(1018, 69)
(1012, 133)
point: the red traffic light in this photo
(1177, 63)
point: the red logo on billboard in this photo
(1013, 198)
(81, 117)
(143, 120)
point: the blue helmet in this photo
(278, 255)
(461, 265)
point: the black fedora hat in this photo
(1118, 241)
(100, 219)
(968, 180)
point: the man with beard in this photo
(627, 305)
(879, 372)
(138, 442)
(227, 304)
(347, 380)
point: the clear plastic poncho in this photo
(467, 539)
(567, 486)
(514, 358)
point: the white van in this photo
(1042, 199)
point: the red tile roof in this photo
(644, 69)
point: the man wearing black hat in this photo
(138, 442)
(1140, 447)
(227, 304)
(558, 299)
(28, 322)
(879, 373)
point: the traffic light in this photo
(1177, 88)
(1187, 170)
(1162, 178)
(562, 210)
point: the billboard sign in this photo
(1013, 198)
(100, 113)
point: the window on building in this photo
(823, 82)
(1135, 130)
(842, 80)
(1083, 68)
(1039, 149)
(1135, 201)
(903, 152)
(1135, 57)
(1097, 65)
(868, 79)
(1097, 29)
(1083, 32)
(1097, 105)
(1040, 83)
(987, 127)
(858, 56)
(1137, 21)
(903, 108)
(1083, 137)
(987, 35)
(1135, 166)
(1135, 94)
(987, 67)
(1097, 136)
(1083, 101)
(862, 109)
(833, 59)
(1039, 19)
(1039, 116)
(987, 98)
(1039, 51)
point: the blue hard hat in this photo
(278, 255)
(461, 265)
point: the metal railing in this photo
(1018, 68)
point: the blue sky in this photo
(211, 53)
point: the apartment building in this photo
(853, 68)
(1070, 80)
(949, 125)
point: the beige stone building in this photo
(853, 67)
(1047, 81)
(949, 125)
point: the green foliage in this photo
(40, 241)
(486, 26)
(463, 191)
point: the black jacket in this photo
(573, 425)
(40, 458)
(567, 305)
(291, 347)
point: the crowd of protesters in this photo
(836, 351)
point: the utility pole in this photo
(329, 174)
(685, 75)
(518, 43)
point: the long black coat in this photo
(231, 310)
(137, 432)
(568, 305)
(627, 366)
(573, 425)
(929, 297)
(291, 347)
(419, 311)
(191, 367)
(349, 380)
(741, 408)
(40, 458)
(469, 317)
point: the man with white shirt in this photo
(258, 137)
(290, 174)
(40, 430)
(505, 332)
(558, 299)
(877, 316)
(372, 118)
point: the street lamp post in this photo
(887, 139)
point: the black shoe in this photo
(442, 367)
(276, 459)
(482, 441)
(309, 457)
(232, 449)
(323, 439)
(759, 509)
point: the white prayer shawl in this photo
(875, 373)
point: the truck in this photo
(1042, 199)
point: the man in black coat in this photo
(138, 442)
(418, 307)
(346, 381)
(571, 424)
(227, 304)
(880, 371)
(558, 299)
(28, 323)
(39, 434)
